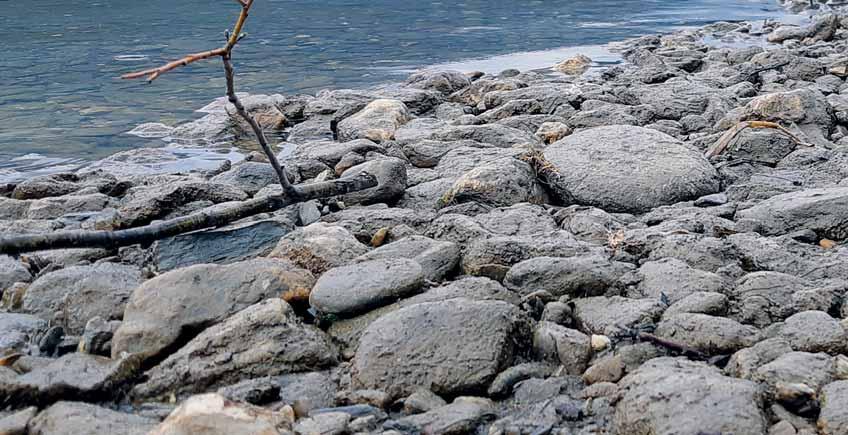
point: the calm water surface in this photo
(60, 101)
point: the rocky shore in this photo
(633, 250)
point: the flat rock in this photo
(463, 415)
(815, 331)
(603, 315)
(77, 418)
(668, 395)
(824, 211)
(70, 297)
(581, 276)
(833, 419)
(673, 278)
(178, 304)
(250, 177)
(212, 414)
(319, 247)
(450, 348)
(144, 204)
(266, 339)
(627, 169)
(436, 258)
(709, 334)
(391, 181)
(499, 183)
(377, 121)
(354, 289)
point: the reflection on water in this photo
(60, 97)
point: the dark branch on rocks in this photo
(185, 224)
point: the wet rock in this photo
(70, 297)
(451, 348)
(249, 177)
(265, 339)
(819, 210)
(68, 418)
(378, 121)
(709, 334)
(463, 415)
(319, 247)
(422, 400)
(834, 400)
(673, 278)
(582, 276)
(177, 305)
(604, 315)
(499, 183)
(391, 181)
(212, 414)
(568, 347)
(437, 258)
(668, 395)
(815, 331)
(349, 290)
(606, 167)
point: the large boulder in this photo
(77, 418)
(378, 121)
(824, 211)
(627, 169)
(452, 348)
(179, 304)
(677, 396)
(70, 297)
(265, 339)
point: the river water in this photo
(61, 103)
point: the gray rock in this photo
(314, 389)
(807, 108)
(55, 207)
(503, 383)
(177, 305)
(428, 153)
(821, 210)
(493, 134)
(815, 331)
(77, 418)
(451, 348)
(834, 400)
(812, 369)
(464, 415)
(668, 395)
(446, 82)
(391, 181)
(590, 275)
(709, 334)
(422, 400)
(212, 414)
(627, 169)
(673, 278)
(144, 204)
(319, 247)
(265, 339)
(762, 298)
(97, 337)
(70, 297)
(604, 315)
(377, 121)
(237, 242)
(765, 146)
(714, 304)
(493, 257)
(437, 258)
(744, 363)
(567, 347)
(350, 290)
(329, 423)
(249, 177)
(499, 183)
(12, 271)
(16, 423)
(259, 391)
(62, 184)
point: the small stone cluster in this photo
(544, 253)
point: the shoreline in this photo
(655, 246)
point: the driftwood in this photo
(291, 194)
(724, 141)
(184, 224)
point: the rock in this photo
(17, 330)
(313, 390)
(767, 146)
(763, 298)
(668, 395)
(16, 423)
(391, 181)
(499, 183)
(574, 66)
(74, 376)
(56, 207)
(510, 109)
(550, 132)
(229, 244)
(250, 177)
(144, 204)
(265, 339)
(708, 334)
(582, 276)
(212, 414)
(806, 107)
(177, 305)
(428, 153)
(452, 348)
(77, 418)
(70, 297)
(329, 423)
(422, 400)
(674, 279)
(562, 345)
(822, 28)
(604, 315)
(813, 369)
(503, 383)
(378, 121)
(319, 247)
(814, 331)
(744, 363)
(61, 184)
(834, 400)
(610, 168)
(437, 259)
(494, 256)
(97, 337)
(349, 290)
(610, 368)
(820, 210)
(375, 398)
(714, 304)
(496, 135)
(464, 415)
(446, 82)
(12, 271)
